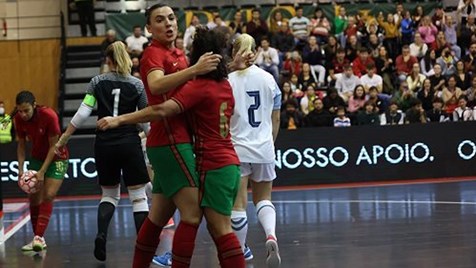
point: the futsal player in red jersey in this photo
(40, 126)
(208, 101)
(164, 68)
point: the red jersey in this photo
(170, 60)
(210, 105)
(43, 125)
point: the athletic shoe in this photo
(100, 247)
(164, 260)
(273, 260)
(28, 247)
(170, 224)
(38, 243)
(247, 253)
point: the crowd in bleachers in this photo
(408, 66)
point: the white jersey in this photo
(256, 96)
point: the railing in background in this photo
(62, 73)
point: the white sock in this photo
(239, 224)
(267, 217)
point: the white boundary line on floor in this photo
(16, 227)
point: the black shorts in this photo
(128, 158)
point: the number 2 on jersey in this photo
(117, 93)
(255, 106)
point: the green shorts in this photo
(56, 170)
(174, 168)
(218, 188)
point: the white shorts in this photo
(258, 172)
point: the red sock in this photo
(229, 251)
(34, 211)
(44, 215)
(147, 241)
(183, 245)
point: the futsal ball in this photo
(28, 182)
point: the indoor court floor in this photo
(405, 225)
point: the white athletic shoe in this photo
(38, 243)
(27, 247)
(273, 259)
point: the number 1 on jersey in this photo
(253, 108)
(117, 93)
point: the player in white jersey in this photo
(254, 127)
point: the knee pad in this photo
(138, 199)
(111, 195)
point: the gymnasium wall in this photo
(316, 156)
(33, 65)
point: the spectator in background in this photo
(352, 28)
(428, 31)
(283, 40)
(86, 16)
(6, 126)
(319, 117)
(330, 49)
(380, 100)
(447, 62)
(404, 63)
(347, 83)
(449, 28)
(352, 48)
(340, 24)
(189, 33)
(399, 12)
(369, 115)
(406, 28)
(357, 100)
(341, 120)
(237, 26)
(371, 79)
(276, 22)
(257, 27)
(416, 114)
(438, 17)
(441, 43)
(110, 38)
(428, 62)
(373, 45)
(292, 64)
(286, 94)
(438, 81)
(426, 95)
(336, 66)
(291, 117)
(300, 27)
(463, 79)
(216, 21)
(462, 112)
(312, 54)
(135, 66)
(295, 86)
(305, 78)
(467, 30)
(393, 116)
(415, 78)
(437, 114)
(268, 59)
(332, 101)
(451, 94)
(385, 68)
(403, 96)
(392, 33)
(359, 65)
(471, 92)
(135, 42)
(308, 100)
(418, 48)
(466, 8)
(418, 16)
(222, 27)
(320, 26)
(470, 59)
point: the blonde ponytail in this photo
(245, 43)
(117, 53)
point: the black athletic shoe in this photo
(100, 247)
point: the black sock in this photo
(105, 212)
(139, 218)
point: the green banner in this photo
(123, 23)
